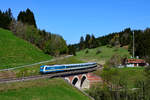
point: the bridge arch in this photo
(84, 82)
(76, 81)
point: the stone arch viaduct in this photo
(83, 81)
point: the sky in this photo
(75, 18)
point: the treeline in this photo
(125, 38)
(142, 44)
(89, 42)
(25, 27)
(120, 39)
(5, 18)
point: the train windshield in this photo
(42, 67)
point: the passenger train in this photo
(65, 67)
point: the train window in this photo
(42, 68)
(46, 68)
(62, 66)
(59, 67)
(70, 65)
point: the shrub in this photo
(98, 51)
(116, 49)
(109, 46)
(114, 61)
(87, 51)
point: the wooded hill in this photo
(120, 39)
(25, 27)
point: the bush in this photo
(87, 51)
(116, 49)
(114, 61)
(109, 46)
(98, 51)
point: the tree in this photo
(5, 18)
(115, 40)
(82, 46)
(94, 42)
(55, 46)
(71, 50)
(115, 60)
(87, 41)
(27, 17)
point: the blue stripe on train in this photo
(51, 71)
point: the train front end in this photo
(42, 69)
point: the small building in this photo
(135, 62)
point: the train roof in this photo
(71, 64)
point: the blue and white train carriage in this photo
(65, 67)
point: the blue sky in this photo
(75, 18)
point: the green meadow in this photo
(43, 89)
(105, 53)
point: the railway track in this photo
(51, 75)
(36, 63)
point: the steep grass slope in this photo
(15, 51)
(104, 54)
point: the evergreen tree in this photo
(82, 43)
(71, 50)
(27, 17)
(87, 41)
(5, 18)
(94, 41)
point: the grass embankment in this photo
(43, 89)
(129, 75)
(132, 75)
(16, 52)
(34, 70)
(105, 54)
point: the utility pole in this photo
(133, 44)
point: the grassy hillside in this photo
(15, 51)
(133, 75)
(105, 53)
(129, 75)
(43, 89)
